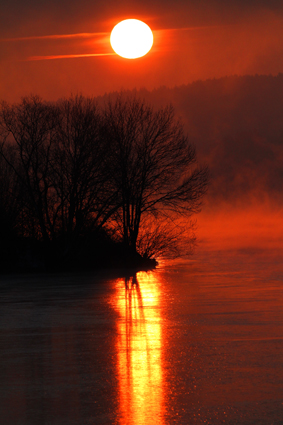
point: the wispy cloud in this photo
(57, 36)
(41, 58)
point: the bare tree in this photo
(11, 200)
(127, 168)
(60, 161)
(27, 128)
(154, 168)
(166, 238)
(81, 178)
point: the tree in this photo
(11, 202)
(79, 170)
(154, 168)
(166, 237)
(27, 129)
(59, 160)
(80, 176)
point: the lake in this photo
(194, 342)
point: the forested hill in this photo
(236, 124)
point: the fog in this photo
(236, 126)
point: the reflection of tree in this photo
(139, 359)
(135, 320)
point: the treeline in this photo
(89, 186)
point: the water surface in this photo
(194, 342)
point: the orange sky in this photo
(192, 41)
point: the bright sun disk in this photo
(131, 39)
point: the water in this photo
(194, 342)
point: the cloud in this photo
(40, 58)
(55, 36)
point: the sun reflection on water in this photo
(139, 350)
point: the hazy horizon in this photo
(192, 41)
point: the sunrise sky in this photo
(192, 40)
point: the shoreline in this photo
(128, 266)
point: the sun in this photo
(131, 39)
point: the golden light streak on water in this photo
(139, 345)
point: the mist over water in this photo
(195, 341)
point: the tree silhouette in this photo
(29, 128)
(59, 160)
(154, 169)
(79, 172)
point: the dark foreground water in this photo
(197, 342)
